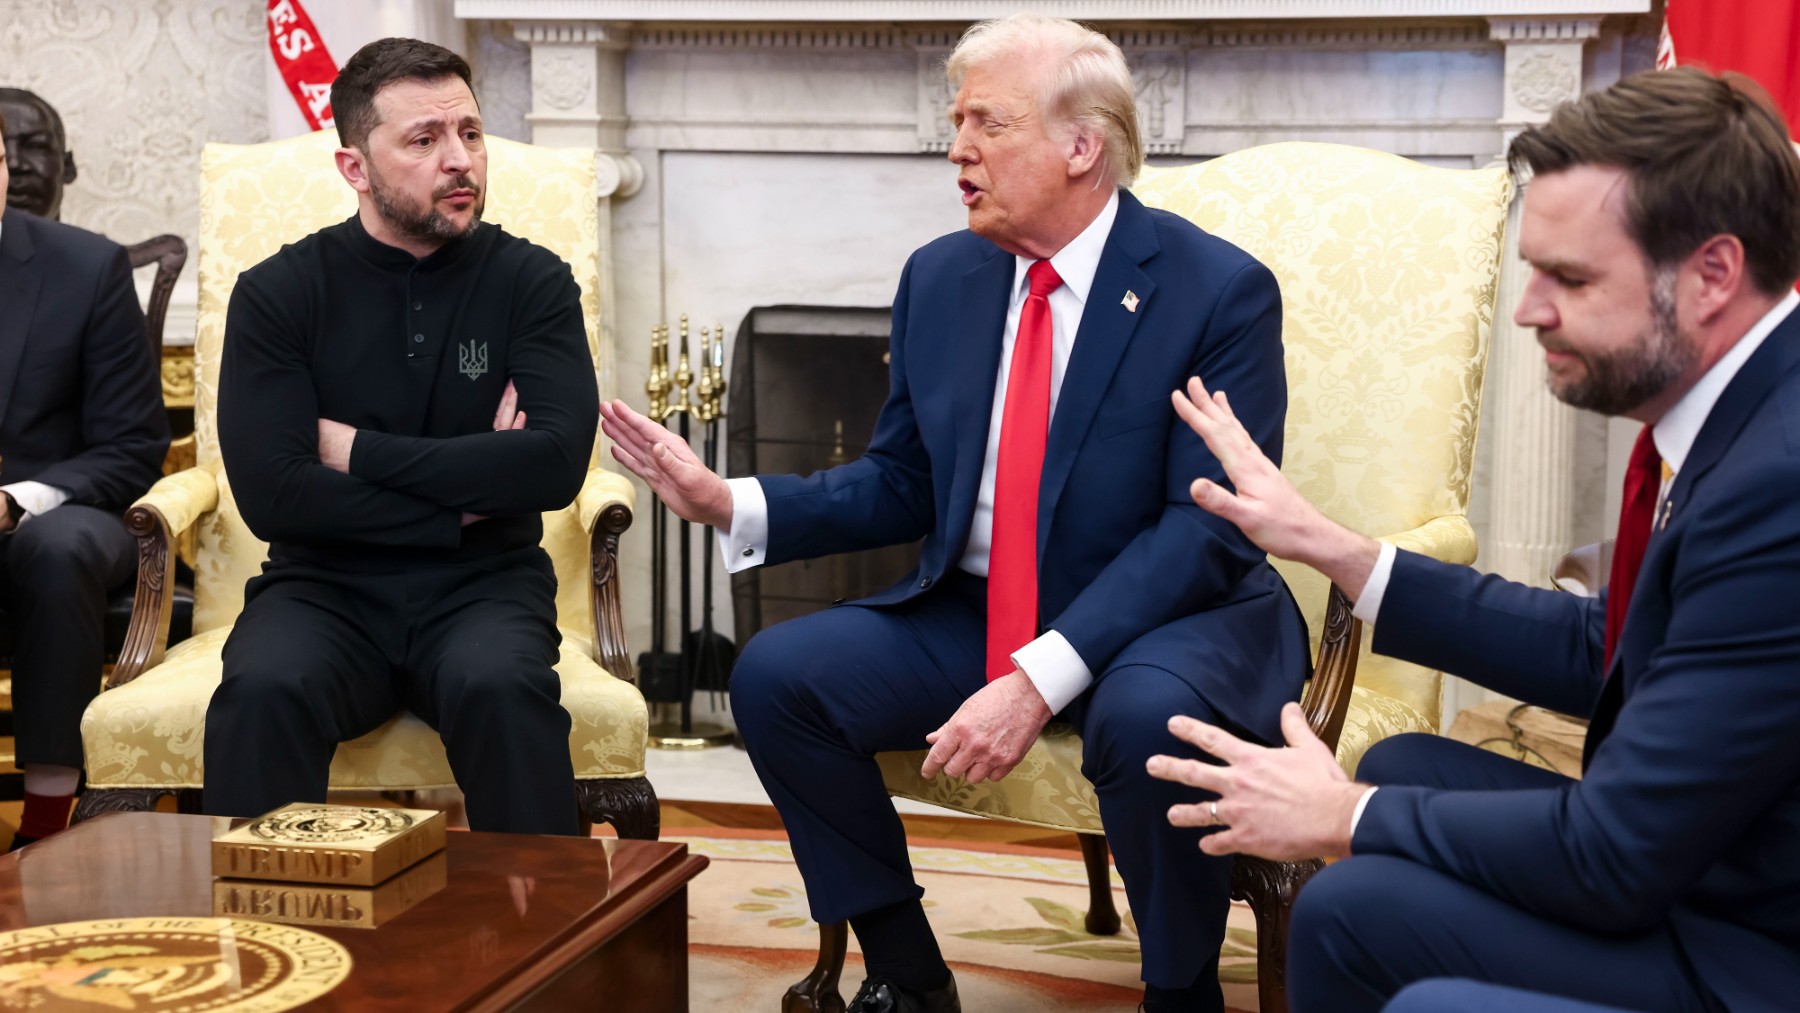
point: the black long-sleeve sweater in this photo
(415, 354)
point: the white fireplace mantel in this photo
(898, 11)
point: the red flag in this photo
(300, 56)
(1757, 38)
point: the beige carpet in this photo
(1008, 918)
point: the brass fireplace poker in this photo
(704, 402)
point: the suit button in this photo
(925, 582)
(418, 339)
(418, 305)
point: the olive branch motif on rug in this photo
(1009, 907)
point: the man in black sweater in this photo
(374, 398)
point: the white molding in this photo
(1543, 29)
(839, 11)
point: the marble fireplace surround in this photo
(790, 151)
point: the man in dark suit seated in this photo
(1027, 439)
(1662, 226)
(82, 434)
(37, 153)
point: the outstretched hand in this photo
(667, 465)
(1265, 506)
(1284, 804)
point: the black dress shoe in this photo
(19, 841)
(879, 995)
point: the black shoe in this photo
(19, 841)
(879, 995)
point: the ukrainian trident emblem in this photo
(472, 361)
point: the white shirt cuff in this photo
(1054, 668)
(1356, 814)
(1368, 603)
(747, 543)
(35, 497)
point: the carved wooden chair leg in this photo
(1102, 914)
(1269, 888)
(96, 801)
(818, 991)
(628, 803)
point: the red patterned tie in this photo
(1024, 427)
(1643, 480)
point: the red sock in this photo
(45, 814)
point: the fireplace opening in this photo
(807, 383)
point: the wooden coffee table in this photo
(524, 923)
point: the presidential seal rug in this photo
(1008, 917)
(167, 965)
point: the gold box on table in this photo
(333, 844)
(319, 904)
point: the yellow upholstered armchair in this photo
(1388, 271)
(142, 736)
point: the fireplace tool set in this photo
(703, 657)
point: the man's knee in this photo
(496, 681)
(1398, 759)
(769, 676)
(70, 550)
(1128, 720)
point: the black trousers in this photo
(319, 657)
(55, 572)
(1366, 927)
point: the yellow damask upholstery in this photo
(1388, 272)
(147, 732)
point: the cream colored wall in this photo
(141, 87)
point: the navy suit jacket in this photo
(1688, 813)
(1124, 554)
(80, 401)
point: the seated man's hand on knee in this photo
(990, 733)
(1284, 804)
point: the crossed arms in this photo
(300, 477)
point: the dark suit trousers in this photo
(55, 572)
(1459, 995)
(1366, 927)
(815, 698)
(320, 657)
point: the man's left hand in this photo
(335, 440)
(990, 733)
(1282, 804)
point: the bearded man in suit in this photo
(1027, 439)
(1662, 226)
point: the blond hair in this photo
(1089, 86)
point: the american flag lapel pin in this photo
(1130, 301)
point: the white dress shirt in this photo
(1049, 661)
(34, 497)
(1674, 435)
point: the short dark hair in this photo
(1704, 155)
(374, 67)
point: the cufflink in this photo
(749, 552)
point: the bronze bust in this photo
(37, 153)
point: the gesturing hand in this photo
(1283, 804)
(1266, 507)
(667, 465)
(990, 733)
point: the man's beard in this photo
(1618, 382)
(425, 224)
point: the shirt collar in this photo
(1675, 433)
(1077, 263)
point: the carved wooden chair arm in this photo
(171, 506)
(604, 507)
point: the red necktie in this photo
(1024, 427)
(1643, 480)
